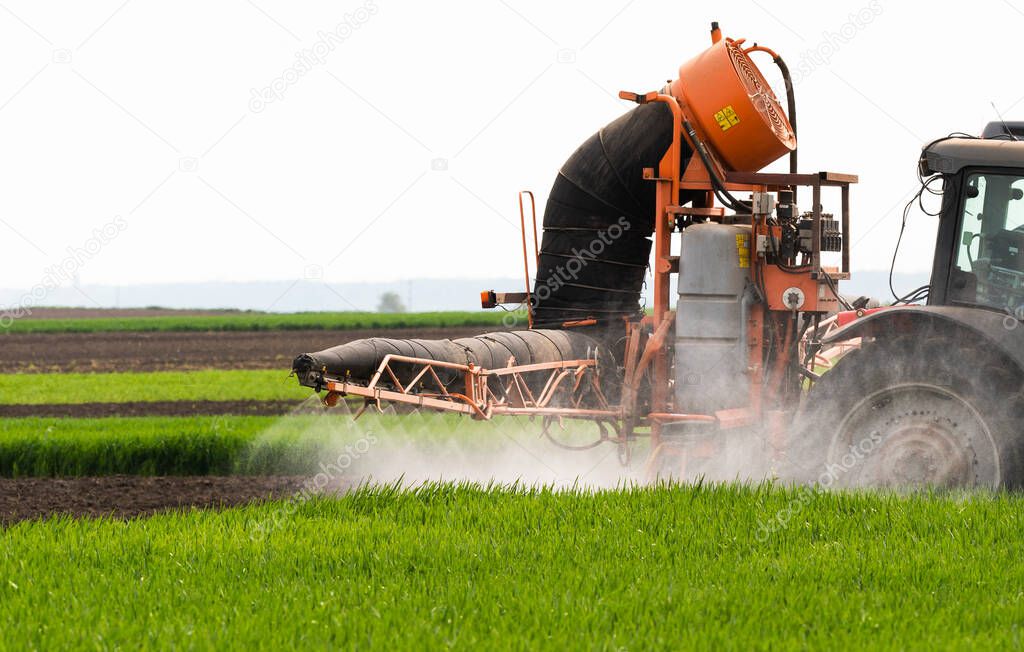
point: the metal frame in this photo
(670, 180)
(486, 392)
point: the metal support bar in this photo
(481, 399)
(536, 251)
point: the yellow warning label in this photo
(743, 250)
(727, 118)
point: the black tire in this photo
(907, 413)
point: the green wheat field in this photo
(456, 565)
(467, 567)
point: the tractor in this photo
(933, 395)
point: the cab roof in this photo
(950, 155)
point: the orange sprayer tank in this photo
(733, 108)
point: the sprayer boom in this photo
(563, 387)
(751, 274)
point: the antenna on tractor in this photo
(1006, 127)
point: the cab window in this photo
(989, 265)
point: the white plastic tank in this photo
(711, 319)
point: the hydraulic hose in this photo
(791, 111)
(723, 195)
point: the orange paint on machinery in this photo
(733, 108)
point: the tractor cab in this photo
(979, 254)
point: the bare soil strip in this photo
(108, 352)
(91, 313)
(150, 409)
(130, 496)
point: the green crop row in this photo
(292, 444)
(494, 568)
(210, 384)
(214, 445)
(260, 321)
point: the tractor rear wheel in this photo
(902, 413)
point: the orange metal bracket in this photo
(536, 248)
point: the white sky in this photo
(142, 110)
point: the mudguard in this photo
(1000, 330)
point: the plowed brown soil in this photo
(128, 496)
(105, 352)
